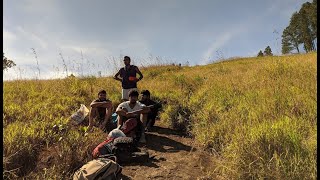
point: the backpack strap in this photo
(109, 156)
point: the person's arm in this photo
(105, 104)
(140, 74)
(121, 111)
(144, 110)
(116, 76)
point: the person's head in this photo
(102, 95)
(126, 60)
(145, 95)
(133, 96)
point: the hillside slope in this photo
(256, 117)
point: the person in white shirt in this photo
(133, 109)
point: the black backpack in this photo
(123, 148)
(118, 147)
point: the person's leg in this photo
(107, 117)
(93, 113)
(125, 95)
(144, 119)
(148, 120)
(150, 125)
(120, 120)
(102, 123)
(151, 120)
(110, 125)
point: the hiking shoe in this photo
(143, 138)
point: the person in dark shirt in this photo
(100, 112)
(128, 77)
(154, 108)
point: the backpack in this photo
(132, 128)
(98, 169)
(104, 148)
(124, 147)
(119, 147)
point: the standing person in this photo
(154, 108)
(128, 77)
(100, 112)
(133, 109)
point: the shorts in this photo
(125, 92)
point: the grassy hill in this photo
(258, 117)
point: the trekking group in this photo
(144, 111)
(126, 126)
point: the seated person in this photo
(154, 108)
(133, 109)
(100, 112)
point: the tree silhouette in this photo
(260, 54)
(7, 63)
(268, 51)
(302, 29)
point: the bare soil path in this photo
(172, 157)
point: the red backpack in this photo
(129, 126)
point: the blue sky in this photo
(94, 35)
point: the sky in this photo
(52, 38)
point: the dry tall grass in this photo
(257, 116)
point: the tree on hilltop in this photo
(307, 27)
(260, 54)
(302, 29)
(7, 63)
(289, 41)
(268, 51)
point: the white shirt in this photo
(137, 106)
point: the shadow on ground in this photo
(149, 163)
(164, 144)
(166, 131)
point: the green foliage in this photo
(302, 29)
(268, 51)
(260, 54)
(7, 63)
(289, 41)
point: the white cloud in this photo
(40, 6)
(8, 36)
(103, 34)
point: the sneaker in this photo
(143, 138)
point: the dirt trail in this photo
(173, 157)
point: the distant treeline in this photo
(301, 30)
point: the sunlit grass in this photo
(257, 116)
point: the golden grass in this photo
(257, 115)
